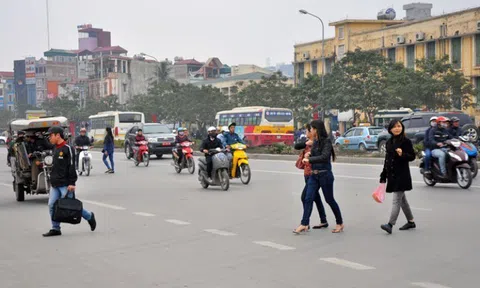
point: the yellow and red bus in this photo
(260, 125)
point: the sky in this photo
(235, 31)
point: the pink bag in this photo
(379, 193)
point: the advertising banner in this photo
(30, 71)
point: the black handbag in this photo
(67, 210)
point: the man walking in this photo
(63, 178)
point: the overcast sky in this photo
(236, 31)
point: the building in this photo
(7, 91)
(182, 70)
(247, 69)
(419, 35)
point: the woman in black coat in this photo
(396, 173)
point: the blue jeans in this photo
(318, 202)
(441, 155)
(428, 156)
(315, 182)
(110, 156)
(57, 193)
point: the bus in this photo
(383, 117)
(260, 125)
(119, 121)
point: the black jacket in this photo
(210, 144)
(396, 171)
(438, 135)
(456, 132)
(82, 141)
(63, 171)
(321, 155)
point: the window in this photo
(278, 116)
(349, 133)
(341, 33)
(124, 87)
(10, 108)
(105, 89)
(392, 54)
(411, 56)
(341, 51)
(375, 131)
(358, 132)
(156, 129)
(129, 118)
(314, 68)
(328, 65)
(1, 91)
(477, 51)
(477, 85)
(456, 52)
(241, 119)
(301, 71)
(10, 98)
(417, 123)
(431, 49)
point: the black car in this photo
(160, 139)
(417, 123)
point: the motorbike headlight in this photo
(48, 160)
(152, 140)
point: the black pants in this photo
(77, 157)
(209, 165)
(180, 155)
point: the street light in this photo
(305, 12)
(143, 54)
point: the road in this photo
(157, 228)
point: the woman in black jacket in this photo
(320, 158)
(396, 173)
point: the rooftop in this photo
(115, 49)
(367, 21)
(236, 78)
(60, 52)
(188, 62)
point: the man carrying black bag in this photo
(62, 178)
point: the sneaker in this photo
(387, 228)
(108, 171)
(409, 225)
(111, 172)
(52, 232)
(92, 222)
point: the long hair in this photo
(322, 135)
(109, 132)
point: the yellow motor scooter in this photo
(240, 167)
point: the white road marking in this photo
(421, 209)
(143, 214)
(177, 222)
(274, 245)
(348, 264)
(104, 205)
(428, 285)
(219, 232)
(7, 185)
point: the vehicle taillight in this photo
(116, 131)
(368, 137)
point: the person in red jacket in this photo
(138, 138)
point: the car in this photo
(3, 140)
(417, 123)
(360, 138)
(160, 139)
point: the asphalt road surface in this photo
(157, 228)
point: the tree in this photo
(5, 117)
(308, 95)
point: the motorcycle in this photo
(84, 159)
(469, 147)
(458, 170)
(219, 171)
(240, 167)
(187, 160)
(142, 154)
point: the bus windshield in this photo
(129, 117)
(278, 116)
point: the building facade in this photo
(420, 35)
(7, 91)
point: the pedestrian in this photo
(320, 158)
(307, 172)
(62, 178)
(108, 148)
(396, 173)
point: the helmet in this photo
(224, 128)
(83, 129)
(455, 119)
(232, 124)
(180, 129)
(434, 118)
(211, 128)
(442, 119)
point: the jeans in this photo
(110, 156)
(428, 156)
(57, 193)
(442, 159)
(314, 183)
(400, 201)
(209, 165)
(318, 202)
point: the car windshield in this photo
(156, 129)
(375, 131)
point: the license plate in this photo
(85, 153)
(166, 144)
(278, 136)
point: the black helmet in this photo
(232, 124)
(454, 119)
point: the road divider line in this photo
(7, 185)
(220, 232)
(274, 245)
(348, 264)
(144, 214)
(104, 205)
(428, 285)
(421, 209)
(177, 222)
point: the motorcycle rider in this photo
(437, 137)
(80, 141)
(455, 129)
(138, 138)
(212, 142)
(231, 138)
(179, 139)
(221, 135)
(426, 142)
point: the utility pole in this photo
(101, 76)
(48, 26)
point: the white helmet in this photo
(211, 128)
(224, 128)
(434, 118)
